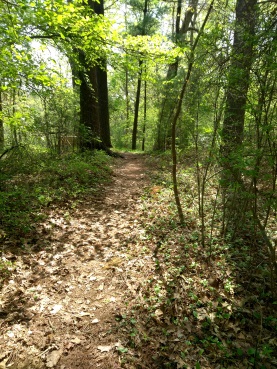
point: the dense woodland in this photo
(191, 85)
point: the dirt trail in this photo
(59, 308)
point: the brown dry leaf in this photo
(83, 313)
(76, 340)
(188, 326)
(212, 316)
(55, 309)
(241, 336)
(180, 363)
(3, 355)
(69, 346)
(101, 287)
(3, 363)
(158, 313)
(53, 357)
(105, 348)
(201, 314)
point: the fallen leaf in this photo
(180, 363)
(76, 340)
(83, 313)
(158, 312)
(55, 309)
(105, 348)
(201, 314)
(4, 355)
(241, 336)
(53, 357)
(212, 316)
(101, 287)
(69, 346)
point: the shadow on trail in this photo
(199, 311)
(64, 280)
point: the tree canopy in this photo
(185, 227)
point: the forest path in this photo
(61, 305)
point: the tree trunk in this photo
(127, 100)
(169, 99)
(102, 80)
(144, 116)
(89, 108)
(239, 79)
(102, 87)
(236, 99)
(137, 102)
(94, 105)
(177, 112)
(14, 128)
(2, 140)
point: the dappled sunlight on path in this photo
(61, 303)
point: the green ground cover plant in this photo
(31, 181)
(210, 306)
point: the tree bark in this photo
(2, 140)
(89, 108)
(168, 102)
(176, 116)
(127, 97)
(144, 116)
(102, 87)
(238, 84)
(94, 104)
(137, 102)
(234, 115)
(102, 80)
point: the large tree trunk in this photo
(94, 105)
(2, 141)
(102, 86)
(89, 107)
(144, 116)
(102, 80)
(137, 102)
(236, 99)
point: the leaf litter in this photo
(117, 283)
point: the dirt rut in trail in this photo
(59, 308)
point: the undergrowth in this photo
(31, 182)
(196, 307)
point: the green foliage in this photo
(204, 304)
(6, 268)
(31, 181)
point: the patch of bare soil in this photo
(62, 302)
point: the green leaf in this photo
(239, 352)
(123, 350)
(251, 351)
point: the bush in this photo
(31, 180)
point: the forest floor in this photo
(115, 282)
